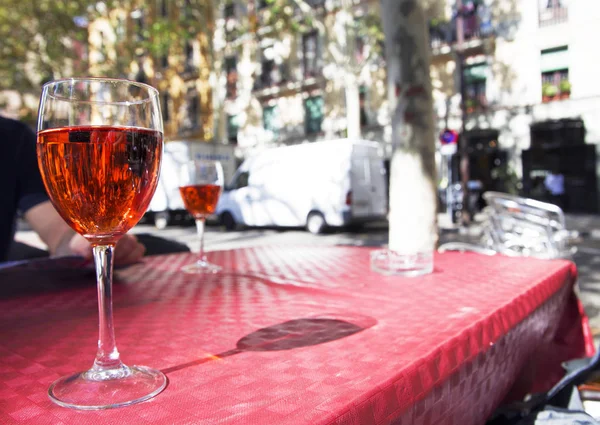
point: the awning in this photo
(555, 59)
(475, 73)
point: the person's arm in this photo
(50, 227)
(62, 240)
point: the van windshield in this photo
(239, 180)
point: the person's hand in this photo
(62, 240)
(127, 251)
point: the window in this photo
(232, 77)
(233, 128)
(271, 120)
(191, 121)
(194, 109)
(229, 11)
(310, 54)
(555, 85)
(475, 87)
(268, 73)
(271, 72)
(141, 77)
(164, 8)
(313, 114)
(360, 52)
(555, 74)
(189, 56)
(166, 104)
(120, 28)
(470, 20)
(362, 98)
(102, 46)
(552, 12)
(138, 22)
(241, 180)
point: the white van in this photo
(320, 184)
(166, 203)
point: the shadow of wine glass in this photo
(296, 333)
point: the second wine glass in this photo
(200, 188)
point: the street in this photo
(217, 239)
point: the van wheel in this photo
(228, 221)
(161, 220)
(315, 223)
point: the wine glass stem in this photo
(107, 356)
(200, 223)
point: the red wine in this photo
(100, 179)
(201, 199)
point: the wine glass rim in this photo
(152, 91)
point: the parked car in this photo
(315, 185)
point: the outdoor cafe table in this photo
(300, 335)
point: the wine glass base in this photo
(80, 392)
(201, 267)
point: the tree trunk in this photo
(352, 106)
(217, 77)
(413, 200)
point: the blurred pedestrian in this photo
(554, 182)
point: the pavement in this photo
(588, 225)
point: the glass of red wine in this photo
(200, 187)
(99, 147)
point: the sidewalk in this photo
(588, 225)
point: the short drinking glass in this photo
(201, 186)
(99, 149)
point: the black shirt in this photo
(21, 185)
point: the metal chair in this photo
(517, 226)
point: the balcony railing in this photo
(231, 85)
(445, 33)
(272, 75)
(553, 15)
(475, 103)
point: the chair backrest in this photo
(522, 226)
(529, 209)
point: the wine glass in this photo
(200, 187)
(99, 147)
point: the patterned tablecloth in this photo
(298, 335)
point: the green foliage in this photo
(36, 40)
(508, 177)
(549, 90)
(41, 40)
(369, 28)
(565, 86)
(284, 16)
(296, 16)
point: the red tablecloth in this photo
(302, 336)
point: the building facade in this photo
(531, 99)
(167, 44)
(290, 79)
(515, 78)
